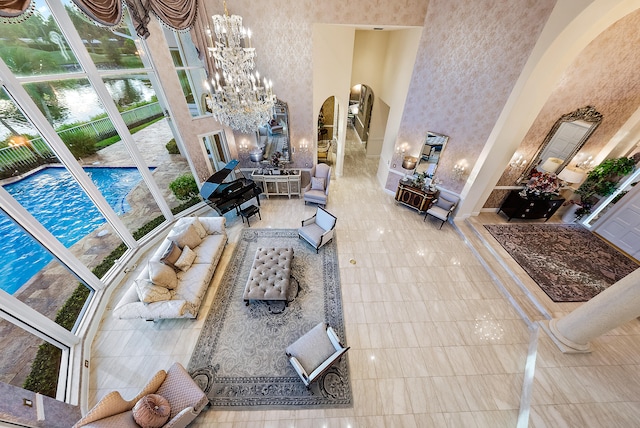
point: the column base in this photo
(564, 344)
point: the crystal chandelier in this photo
(239, 99)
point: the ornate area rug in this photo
(568, 262)
(239, 359)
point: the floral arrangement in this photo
(541, 185)
(275, 159)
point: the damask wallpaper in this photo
(470, 56)
(605, 75)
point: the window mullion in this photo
(26, 104)
(94, 77)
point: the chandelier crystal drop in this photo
(237, 96)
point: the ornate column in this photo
(615, 306)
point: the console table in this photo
(414, 197)
(286, 183)
(515, 206)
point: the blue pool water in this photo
(57, 201)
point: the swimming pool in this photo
(54, 198)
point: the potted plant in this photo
(602, 181)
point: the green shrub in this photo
(172, 147)
(80, 144)
(184, 187)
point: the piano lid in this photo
(213, 182)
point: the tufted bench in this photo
(269, 275)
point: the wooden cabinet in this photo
(286, 183)
(414, 197)
(515, 206)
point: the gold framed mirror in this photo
(564, 140)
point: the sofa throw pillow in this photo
(186, 259)
(171, 254)
(445, 204)
(187, 236)
(317, 183)
(162, 275)
(151, 411)
(148, 292)
(202, 232)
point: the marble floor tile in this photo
(435, 339)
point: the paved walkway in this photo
(47, 291)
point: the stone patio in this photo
(47, 291)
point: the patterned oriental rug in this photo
(568, 262)
(239, 359)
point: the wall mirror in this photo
(431, 151)
(274, 136)
(564, 140)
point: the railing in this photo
(21, 158)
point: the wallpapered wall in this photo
(605, 75)
(470, 56)
(282, 32)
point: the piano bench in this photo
(250, 211)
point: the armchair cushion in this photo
(151, 411)
(317, 183)
(444, 203)
(312, 349)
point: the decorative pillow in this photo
(151, 411)
(171, 254)
(162, 275)
(445, 204)
(317, 183)
(188, 236)
(202, 232)
(148, 292)
(186, 259)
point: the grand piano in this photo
(224, 196)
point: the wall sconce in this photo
(243, 147)
(304, 146)
(399, 154)
(587, 163)
(518, 161)
(458, 170)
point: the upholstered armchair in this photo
(317, 191)
(442, 207)
(315, 352)
(185, 401)
(318, 230)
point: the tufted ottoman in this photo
(269, 275)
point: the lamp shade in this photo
(409, 162)
(551, 165)
(571, 175)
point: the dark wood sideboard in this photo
(515, 206)
(414, 197)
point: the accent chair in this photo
(186, 401)
(315, 352)
(442, 207)
(318, 229)
(317, 191)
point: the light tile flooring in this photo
(439, 337)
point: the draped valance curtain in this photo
(176, 14)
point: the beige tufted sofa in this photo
(185, 398)
(180, 291)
